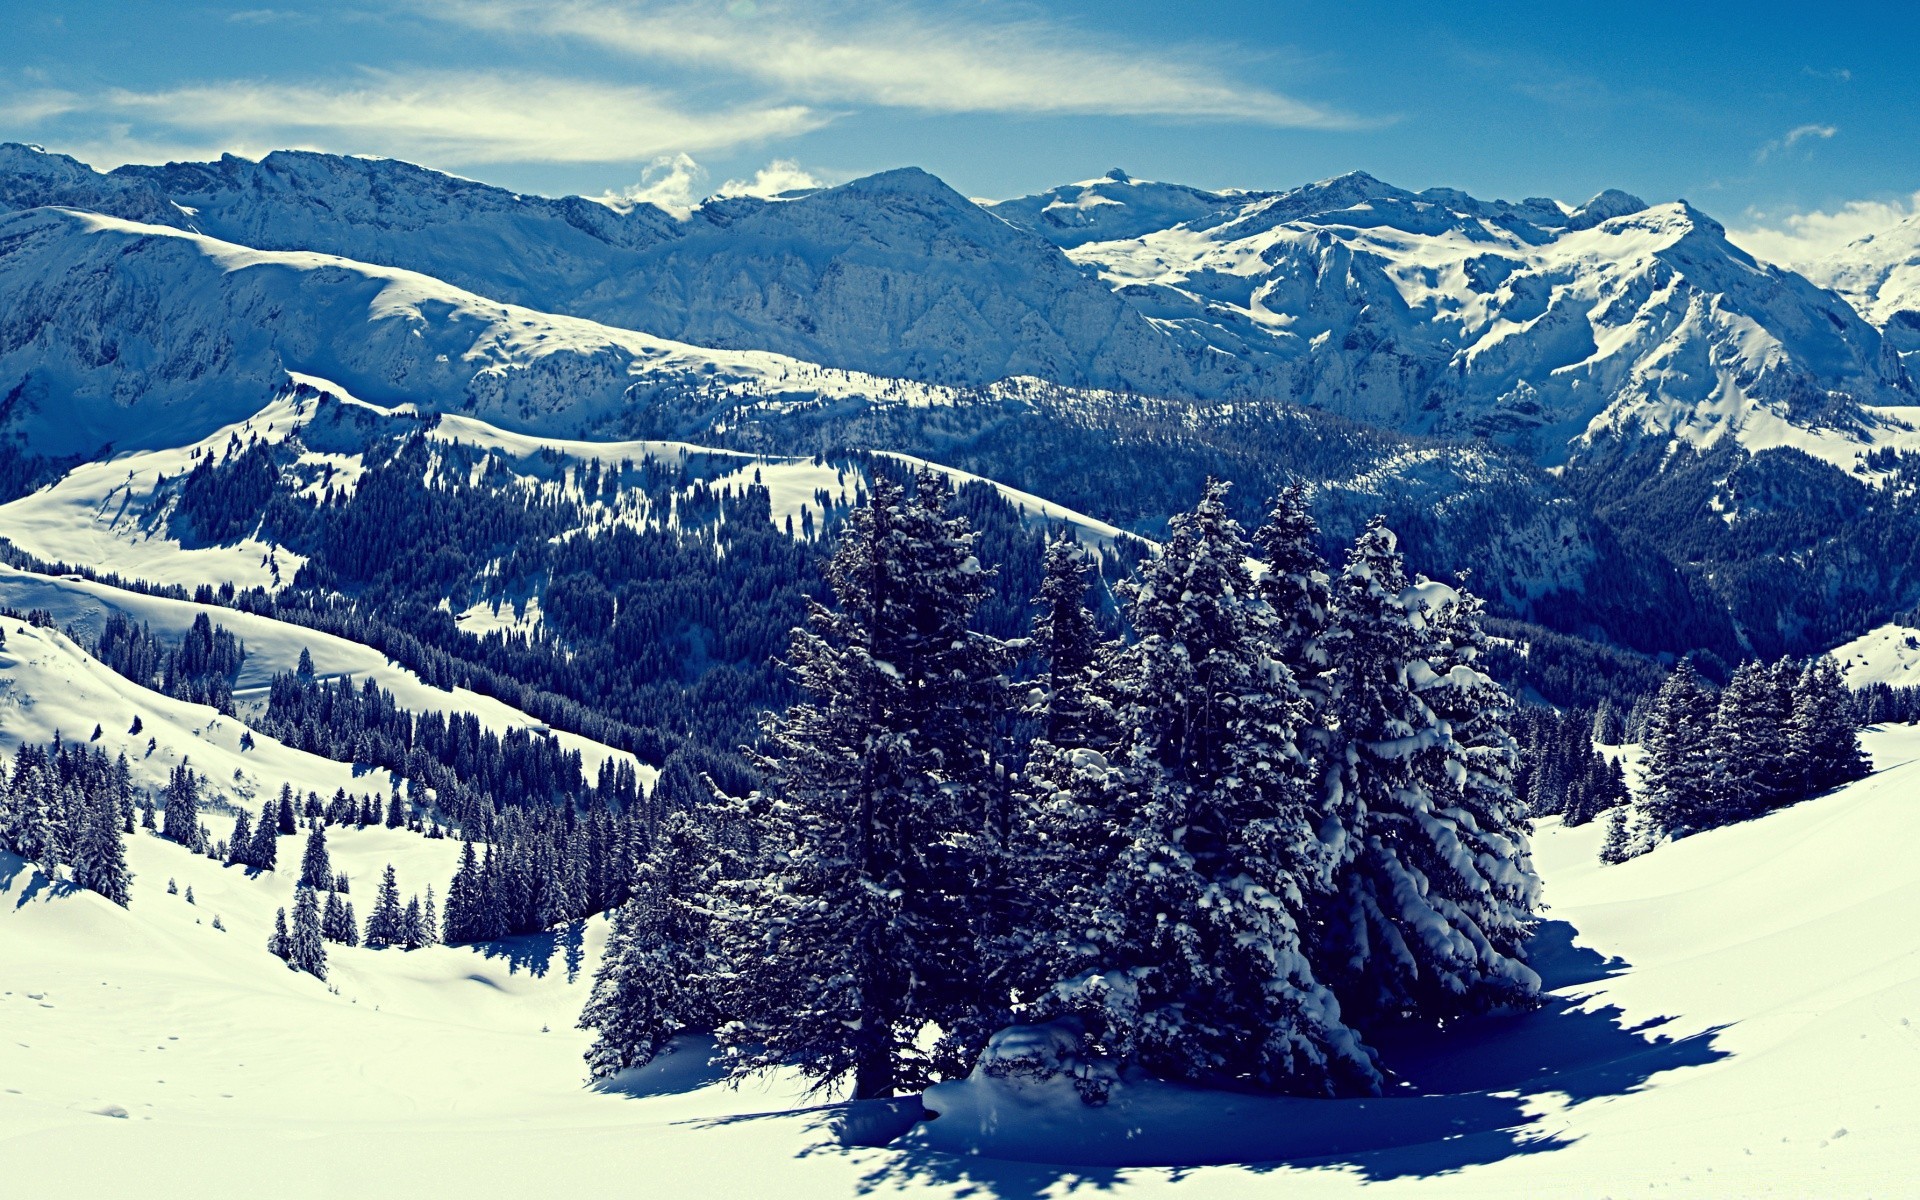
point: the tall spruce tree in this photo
(306, 949)
(316, 868)
(100, 862)
(1678, 794)
(1824, 741)
(180, 822)
(387, 923)
(880, 784)
(661, 975)
(1195, 927)
(1434, 893)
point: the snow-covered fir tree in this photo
(661, 975)
(1678, 793)
(316, 868)
(306, 949)
(880, 785)
(387, 923)
(1823, 742)
(180, 822)
(1195, 926)
(1433, 891)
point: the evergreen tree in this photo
(1679, 786)
(101, 864)
(284, 817)
(263, 851)
(1744, 746)
(240, 844)
(1066, 639)
(306, 949)
(316, 869)
(660, 976)
(181, 818)
(386, 924)
(463, 920)
(1435, 892)
(1195, 928)
(1824, 743)
(1617, 848)
(278, 944)
(880, 783)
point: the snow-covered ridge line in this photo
(273, 648)
(50, 686)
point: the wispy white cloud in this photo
(677, 183)
(979, 59)
(780, 175)
(1792, 138)
(1837, 74)
(1795, 239)
(442, 117)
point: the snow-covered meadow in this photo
(1733, 1014)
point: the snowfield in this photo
(273, 648)
(1731, 1015)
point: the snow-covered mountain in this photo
(1880, 276)
(114, 333)
(894, 274)
(1534, 322)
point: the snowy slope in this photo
(134, 336)
(1880, 276)
(1534, 322)
(895, 274)
(1889, 654)
(1732, 1015)
(1530, 322)
(49, 686)
(273, 647)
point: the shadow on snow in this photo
(1462, 1098)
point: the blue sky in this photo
(1791, 123)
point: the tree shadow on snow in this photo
(689, 1064)
(37, 885)
(1462, 1098)
(529, 952)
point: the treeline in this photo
(470, 771)
(1561, 772)
(201, 669)
(1773, 735)
(1275, 819)
(69, 805)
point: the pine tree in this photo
(1824, 742)
(386, 924)
(1617, 848)
(181, 818)
(463, 922)
(240, 844)
(278, 944)
(660, 976)
(331, 918)
(263, 852)
(316, 870)
(1744, 746)
(1296, 587)
(396, 812)
(1678, 797)
(101, 864)
(1435, 891)
(1066, 639)
(306, 949)
(880, 784)
(1197, 923)
(284, 816)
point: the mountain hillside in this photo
(1697, 1034)
(1533, 323)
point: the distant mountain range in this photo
(1496, 349)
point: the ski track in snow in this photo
(1732, 1014)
